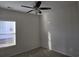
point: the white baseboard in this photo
(62, 52)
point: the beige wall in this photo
(27, 32)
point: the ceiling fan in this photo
(36, 7)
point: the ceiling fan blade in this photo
(44, 8)
(26, 6)
(37, 5)
(29, 11)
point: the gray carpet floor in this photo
(40, 52)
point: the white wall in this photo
(44, 31)
(27, 32)
(63, 24)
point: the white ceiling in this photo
(16, 5)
